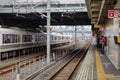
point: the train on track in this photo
(17, 42)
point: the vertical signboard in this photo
(110, 13)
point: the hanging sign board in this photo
(113, 13)
(110, 13)
(96, 26)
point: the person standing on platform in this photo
(105, 44)
(102, 44)
(99, 43)
(94, 40)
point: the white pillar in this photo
(48, 31)
(53, 56)
(18, 72)
(0, 56)
(75, 37)
(7, 55)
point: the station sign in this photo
(113, 13)
(110, 13)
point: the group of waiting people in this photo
(101, 43)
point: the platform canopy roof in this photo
(31, 13)
(98, 10)
(62, 1)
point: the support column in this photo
(75, 37)
(7, 55)
(0, 56)
(19, 54)
(13, 2)
(83, 36)
(48, 31)
(18, 72)
(119, 55)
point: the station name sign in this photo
(113, 13)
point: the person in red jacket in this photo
(103, 43)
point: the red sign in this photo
(111, 14)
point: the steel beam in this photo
(101, 9)
(42, 10)
(41, 7)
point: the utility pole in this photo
(75, 37)
(48, 31)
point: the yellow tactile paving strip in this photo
(100, 71)
(92, 71)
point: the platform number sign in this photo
(110, 13)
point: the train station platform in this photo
(96, 66)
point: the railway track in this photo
(66, 72)
(59, 70)
(8, 68)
